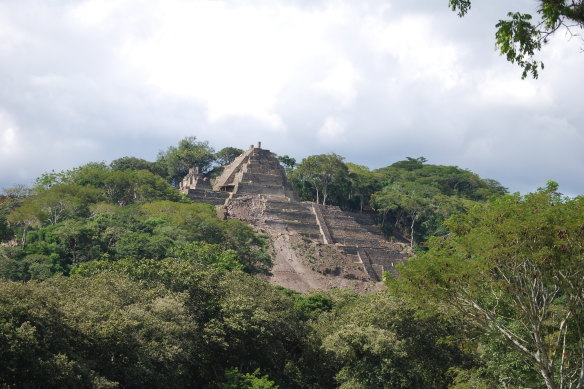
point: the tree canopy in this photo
(322, 175)
(514, 267)
(109, 277)
(189, 152)
(227, 155)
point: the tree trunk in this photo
(23, 236)
(412, 231)
(549, 381)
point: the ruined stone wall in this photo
(194, 180)
(207, 196)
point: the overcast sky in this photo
(374, 81)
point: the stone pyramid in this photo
(255, 189)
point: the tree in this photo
(363, 184)
(198, 219)
(234, 379)
(514, 267)
(417, 197)
(5, 231)
(227, 155)
(140, 186)
(257, 327)
(189, 153)
(410, 163)
(10, 200)
(105, 331)
(55, 204)
(287, 161)
(520, 37)
(251, 248)
(209, 254)
(376, 341)
(77, 237)
(408, 201)
(133, 163)
(325, 173)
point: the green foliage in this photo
(11, 268)
(133, 163)
(210, 254)
(313, 305)
(410, 163)
(412, 198)
(102, 331)
(93, 212)
(243, 320)
(5, 231)
(322, 176)
(519, 38)
(287, 161)
(127, 186)
(118, 281)
(363, 184)
(513, 266)
(11, 199)
(120, 187)
(418, 197)
(234, 379)
(377, 342)
(251, 248)
(449, 180)
(407, 200)
(189, 153)
(461, 6)
(55, 204)
(227, 155)
(199, 220)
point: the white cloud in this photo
(341, 83)
(9, 146)
(93, 12)
(333, 131)
(236, 60)
(508, 89)
(415, 43)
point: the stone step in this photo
(287, 206)
(388, 258)
(293, 216)
(262, 179)
(245, 189)
(310, 231)
(209, 197)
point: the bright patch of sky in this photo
(374, 81)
